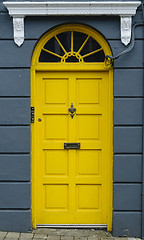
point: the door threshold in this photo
(97, 226)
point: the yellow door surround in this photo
(72, 92)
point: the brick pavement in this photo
(62, 234)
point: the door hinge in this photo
(32, 114)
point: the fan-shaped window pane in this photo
(72, 46)
(79, 38)
(65, 40)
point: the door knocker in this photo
(72, 110)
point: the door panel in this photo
(72, 184)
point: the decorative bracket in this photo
(126, 23)
(18, 26)
(19, 10)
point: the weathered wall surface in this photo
(15, 177)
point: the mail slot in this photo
(71, 145)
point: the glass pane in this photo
(72, 59)
(96, 57)
(46, 57)
(90, 46)
(65, 39)
(78, 39)
(53, 46)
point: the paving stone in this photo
(40, 236)
(2, 234)
(80, 238)
(67, 232)
(52, 237)
(93, 238)
(62, 234)
(46, 231)
(12, 235)
(67, 238)
(110, 238)
(74, 232)
(26, 236)
(16, 238)
(123, 238)
(101, 234)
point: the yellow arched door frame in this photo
(37, 66)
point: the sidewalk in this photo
(61, 234)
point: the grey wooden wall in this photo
(128, 108)
(15, 166)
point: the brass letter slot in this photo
(71, 145)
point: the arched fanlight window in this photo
(72, 45)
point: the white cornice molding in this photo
(19, 10)
(22, 9)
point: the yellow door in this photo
(71, 91)
(72, 184)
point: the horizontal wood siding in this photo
(127, 168)
(128, 139)
(15, 137)
(128, 83)
(127, 197)
(15, 220)
(128, 133)
(133, 59)
(14, 82)
(14, 56)
(127, 223)
(128, 111)
(15, 195)
(15, 167)
(15, 111)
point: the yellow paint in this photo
(72, 186)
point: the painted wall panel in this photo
(15, 167)
(15, 111)
(128, 139)
(128, 111)
(139, 29)
(15, 195)
(14, 56)
(15, 82)
(132, 59)
(15, 220)
(6, 30)
(128, 82)
(44, 24)
(127, 168)
(101, 23)
(127, 224)
(127, 197)
(15, 139)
